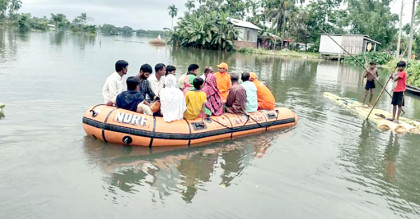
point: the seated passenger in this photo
(251, 93)
(130, 98)
(236, 99)
(172, 100)
(189, 78)
(113, 84)
(156, 79)
(214, 104)
(195, 100)
(170, 69)
(145, 89)
(223, 80)
(207, 70)
(266, 99)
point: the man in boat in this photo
(223, 80)
(130, 98)
(145, 90)
(398, 96)
(156, 80)
(236, 100)
(251, 93)
(266, 100)
(370, 74)
(207, 70)
(170, 69)
(113, 84)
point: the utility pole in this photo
(397, 54)
(410, 42)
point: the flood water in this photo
(333, 164)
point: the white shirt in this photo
(112, 87)
(155, 84)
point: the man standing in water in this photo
(223, 80)
(370, 75)
(113, 84)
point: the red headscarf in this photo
(214, 101)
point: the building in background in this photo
(353, 44)
(247, 34)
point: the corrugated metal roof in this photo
(246, 24)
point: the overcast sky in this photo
(138, 14)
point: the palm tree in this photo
(189, 5)
(173, 11)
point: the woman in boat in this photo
(214, 104)
(189, 78)
(172, 100)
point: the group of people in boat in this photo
(159, 93)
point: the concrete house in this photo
(352, 43)
(248, 34)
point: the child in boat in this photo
(189, 78)
(170, 69)
(195, 100)
(398, 97)
(370, 75)
(130, 98)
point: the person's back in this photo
(195, 100)
(172, 100)
(113, 84)
(223, 80)
(236, 100)
(251, 93)
(266, 100)
(130, 98)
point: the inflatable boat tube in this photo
(115, 125)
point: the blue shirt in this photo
(129, 100)
(251, 96)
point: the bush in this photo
(413, 71)
(380, 58)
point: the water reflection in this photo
(181, 170)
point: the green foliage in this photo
(413, 71)
(60, 21)
(79, 25)
(210, 31)
(380, 58)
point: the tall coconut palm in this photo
(173, 11)
(190, 5)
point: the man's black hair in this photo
(372, 63)
(207, 69)
(132, 83)
(146, 68)
(192, 67)
(198, 82)
(245, 76)
(401, 64)
(170, 68)
(159, 67)
(120, 65)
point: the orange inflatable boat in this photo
(115, 125)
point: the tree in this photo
(173, 11)
(14, 6)
(3, 7)
(190, 5)
(60, 20)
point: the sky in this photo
(138, 14)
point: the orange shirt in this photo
(265, 97)
(223, 83)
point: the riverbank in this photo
(288, 53)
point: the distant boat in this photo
(157, 42)
(413, 90)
